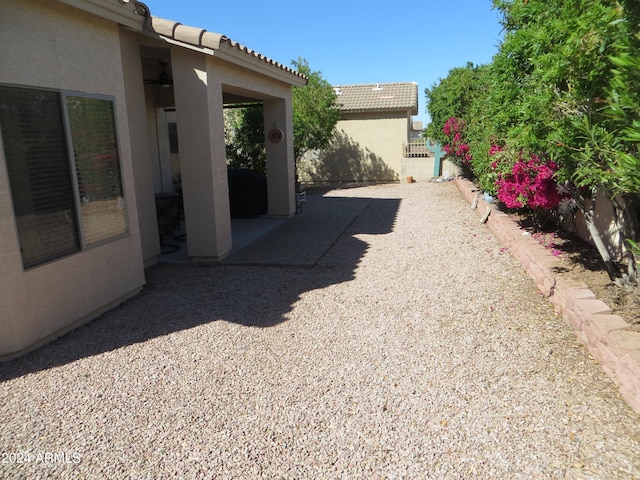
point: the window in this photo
(95, 147)
(64, 171)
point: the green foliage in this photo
(244, 131)
(624, 111)
(546, 89)
(453, 96)
(463, 94)
(564, 86)
(315, 114)
(315, 111)
(557, 53)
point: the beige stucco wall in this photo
(383, 136)
(203, 158)
(51, 46)
(363, 149)
(199, 83)
(422, 169)
(606, 223)
(143, 147)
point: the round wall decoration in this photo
(276, 135)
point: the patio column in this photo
(278, 117)
(203, 163)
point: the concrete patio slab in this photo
(301, 240)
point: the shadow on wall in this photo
(346, 161)
(181, 297)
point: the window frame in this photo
(75, 184)
(64, 96)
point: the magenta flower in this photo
(457, 147)
(530, 183)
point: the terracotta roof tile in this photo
(200, 37)
(378, 97)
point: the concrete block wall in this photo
(422, 169)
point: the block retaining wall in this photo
(608, 337)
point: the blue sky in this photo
(354, 42)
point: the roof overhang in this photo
(218, 45)
(131, 14)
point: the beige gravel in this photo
(416, 348)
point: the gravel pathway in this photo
(416, 348)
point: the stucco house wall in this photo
(424, 169)
(376, 121)
(606, 223)
(382, 135)
(92, 48)
(66, 50)
(142, 145)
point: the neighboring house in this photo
(95, 96)
(376, 124)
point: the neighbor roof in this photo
(378, 97)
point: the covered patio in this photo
(300, 240)
(190, 76)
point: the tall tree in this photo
(315, 111)
(452, 96)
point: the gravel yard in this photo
(416, 348)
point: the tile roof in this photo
(378, 97)
(201, 38)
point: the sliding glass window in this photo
(63, 163)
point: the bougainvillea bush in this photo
(564, 85)
(526, 182)
(457, 148)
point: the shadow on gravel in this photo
(180, 297)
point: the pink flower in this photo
(494, 149)
(457, 147)
(530, 183)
